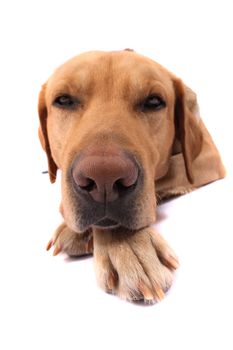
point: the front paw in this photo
(134, 266)
(71, 242)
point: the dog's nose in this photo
(106, 178)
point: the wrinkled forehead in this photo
(95, 71)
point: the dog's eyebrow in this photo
(64, 89)
(150, 88)
(74, 86)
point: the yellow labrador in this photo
(124, 132)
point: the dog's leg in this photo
(134, 265)
(71, 242)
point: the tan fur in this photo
(172, 145)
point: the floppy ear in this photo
(43, 135)
(187, 126)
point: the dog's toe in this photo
(70, 242)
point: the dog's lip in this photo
(106, 223)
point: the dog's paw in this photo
(70, 242)
(136, 266)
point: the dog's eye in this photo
(153, 102)
(64, 101)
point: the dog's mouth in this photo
(106, 223)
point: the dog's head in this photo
(110, 122)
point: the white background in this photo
(54, 303)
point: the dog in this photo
(125, 133)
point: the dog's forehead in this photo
(120, 66)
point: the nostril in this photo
(88, 185)
(122, 186)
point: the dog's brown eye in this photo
(64, 101)
(153, 102)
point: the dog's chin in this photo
(106, 224)
(111, 223)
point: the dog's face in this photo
(108, 122)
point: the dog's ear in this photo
(188, 131)
(43, 134)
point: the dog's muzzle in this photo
(106, 183)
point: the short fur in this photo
(172, 146)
